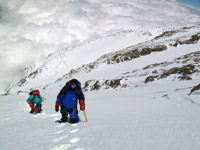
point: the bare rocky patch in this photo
(94, 85)
(190, 65)
(195, 88)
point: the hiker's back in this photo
(35, 101)
(35, 97)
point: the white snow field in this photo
(158, 115)
(134, 115)
(32, 29)
(140, 118)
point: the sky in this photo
(30, 30)
(195, 3)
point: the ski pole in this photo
(85, 116)
(43, 98)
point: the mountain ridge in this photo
(172, 38)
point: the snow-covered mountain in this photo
(137, 63)
(31, 30)
(141, 89)
(139, 54)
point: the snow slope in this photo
(123, 111)
(61, 62)
(139, 118)
(101, 55)
(43, 27)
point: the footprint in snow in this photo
(7, 119)
(60, 125)
(73, 125)
(74, 131)
(79, 149)
(55, 115)
(74, 140)
(60, 138)
(61, 147)
(58, 132)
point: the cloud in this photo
(30, 30)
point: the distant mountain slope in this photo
(146, 60)
(46, 26)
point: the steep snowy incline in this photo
(61, 62)
(31, 30)
(139, 118)
(114, 49)
(141, 101)
(133, 65)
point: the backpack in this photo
(35, 92)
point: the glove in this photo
(57, 107)
(82, 105)
(30, 104)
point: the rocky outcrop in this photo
(195, 88)
(94, 85)
(190, 65)
(133, 53)
(193, 40)
(149, 79)
(184, 70)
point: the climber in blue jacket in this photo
(68, 98)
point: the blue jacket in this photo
(36, 100)
(68, 98)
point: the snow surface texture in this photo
(139, 118)
(30, 29)
(157, 115)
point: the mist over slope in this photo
(107, 66)
(143, 96)
(31, 30)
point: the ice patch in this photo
(74, 140)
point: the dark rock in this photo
(185, 70)
(33, 74)
(87, 83)
(145, 51)
(193, 40)
(155, 71)
(96, 86)
(166, 34)
(195, 88)
(115, 83)
(18, 92)
(159, 48)
(149, 79)
(21, 82)
(185, 78)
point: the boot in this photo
(64, 117)
(32, 111)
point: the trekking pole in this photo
(43, 98)
(85, 116)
